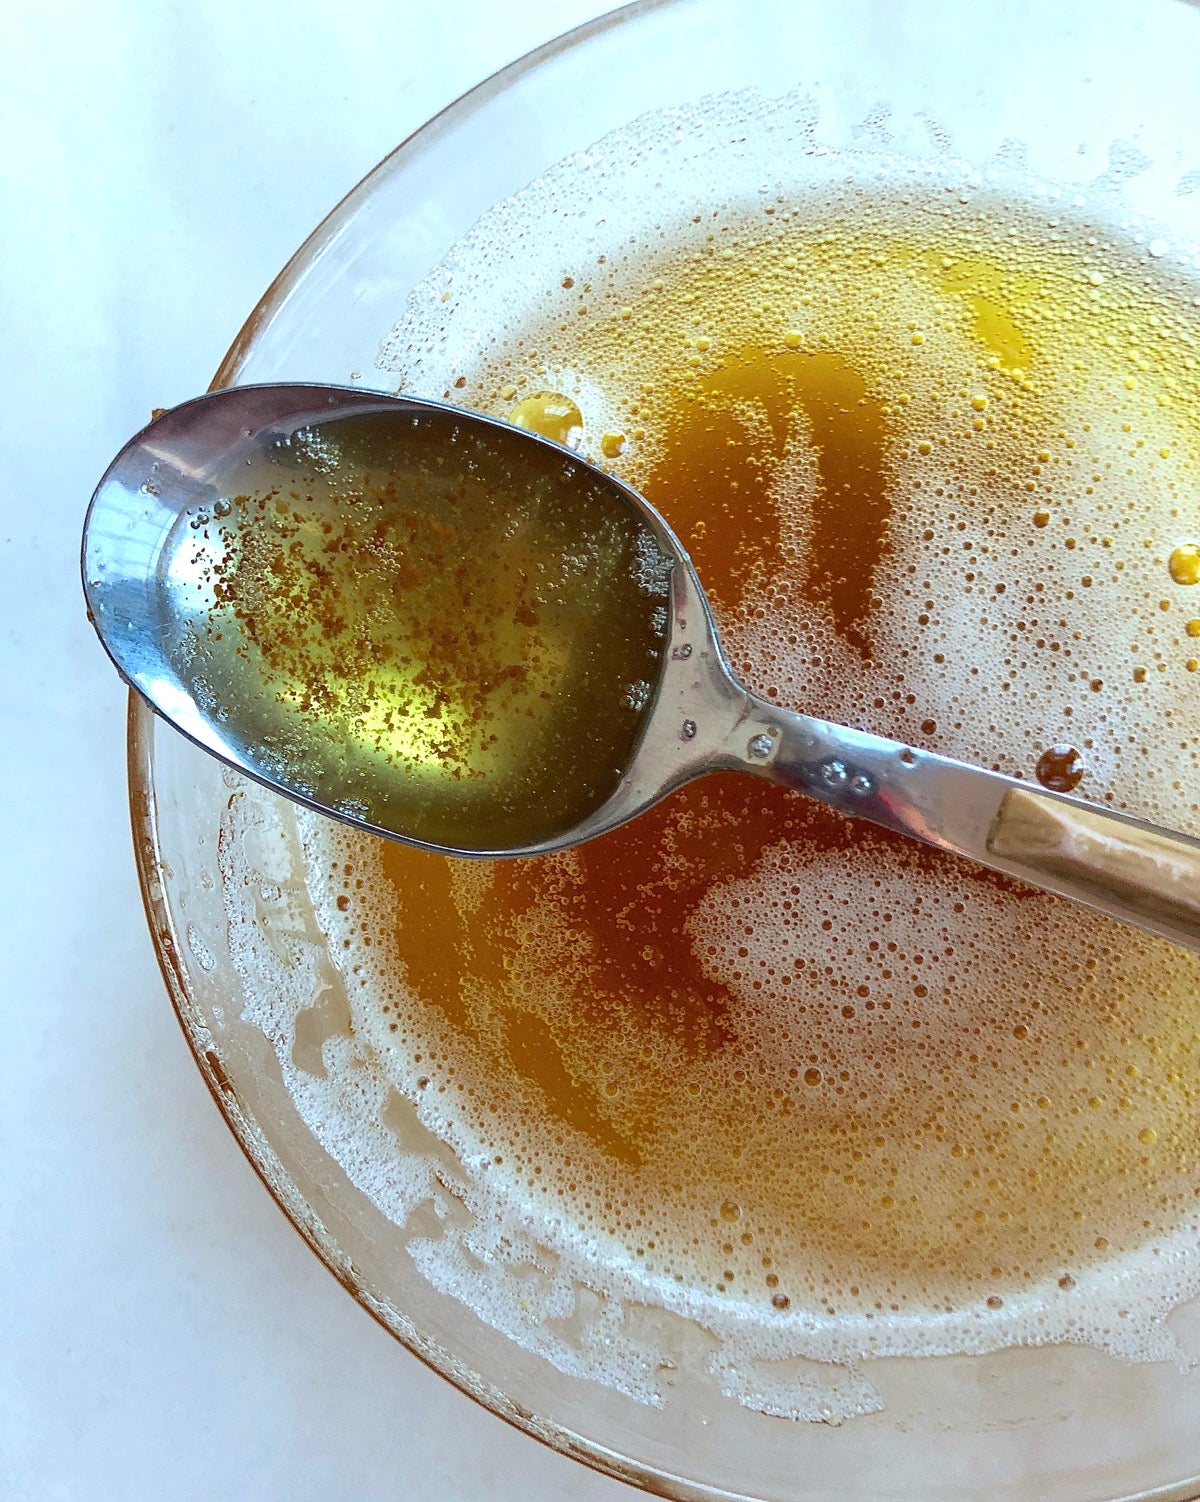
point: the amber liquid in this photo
(931, 463)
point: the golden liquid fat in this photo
(434, 628)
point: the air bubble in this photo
(1184, 563)
(1060, 769)
(551, 414)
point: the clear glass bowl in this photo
(1072, 92)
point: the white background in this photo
(164, 1333)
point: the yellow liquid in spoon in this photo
(453, 634)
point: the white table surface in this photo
(164, 1333)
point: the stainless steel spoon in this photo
(137, 580)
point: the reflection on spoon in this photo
(455, 633)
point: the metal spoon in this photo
(700, 718)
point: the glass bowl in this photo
(1095, 97)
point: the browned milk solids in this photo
(936, 464)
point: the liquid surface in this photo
(434, 629)
(823, 1091)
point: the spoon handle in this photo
(1141, 874)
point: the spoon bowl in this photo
(164, 554)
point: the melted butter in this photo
(430, 627)
(918, 461)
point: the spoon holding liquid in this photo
(446, 630)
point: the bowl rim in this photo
(425, 135)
